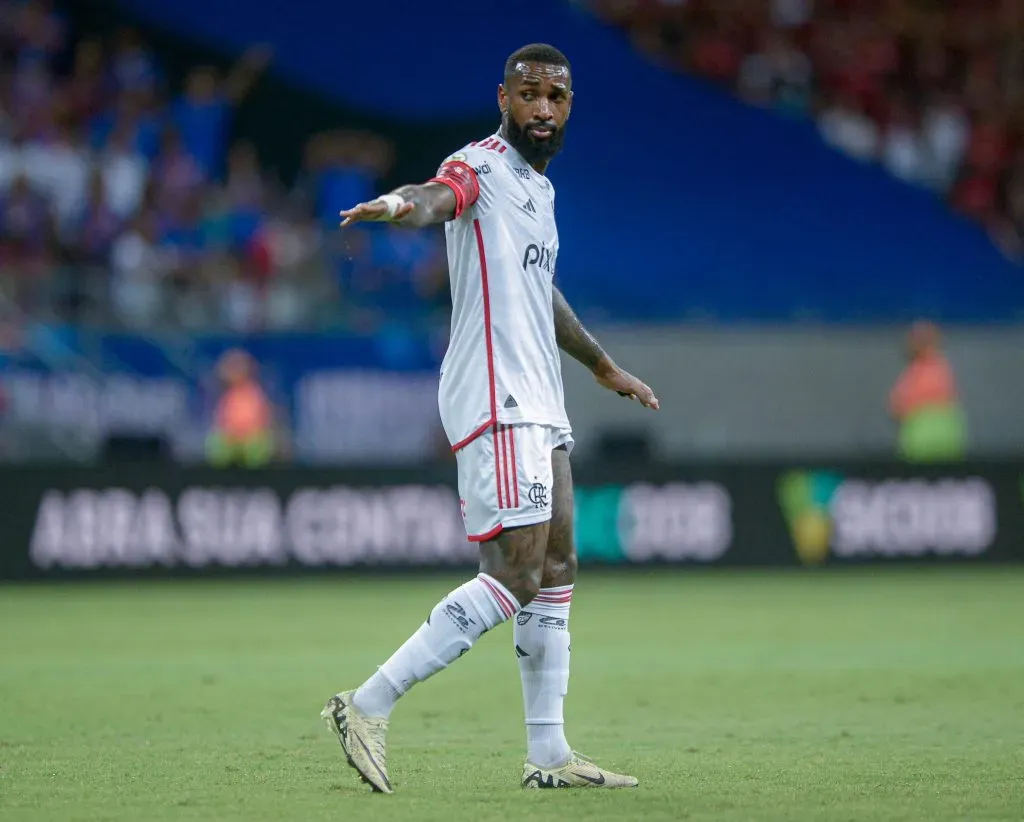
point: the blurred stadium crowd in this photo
(933, 90)
(124, 200)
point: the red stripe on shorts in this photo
(515, 468)
(497, 466)
(505, 465)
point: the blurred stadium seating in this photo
(772, 163)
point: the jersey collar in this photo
(519, 157)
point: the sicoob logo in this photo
(890, 517)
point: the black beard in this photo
(533, 151)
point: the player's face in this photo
(535, 107)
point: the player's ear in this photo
(502, 98)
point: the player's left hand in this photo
(374, 211)
(626, 385)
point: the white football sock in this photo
(456, 622)
(541, 637)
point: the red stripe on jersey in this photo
(487, 318)
(493, 419)
(501, 149)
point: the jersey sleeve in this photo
(463, 182)
(465, 174)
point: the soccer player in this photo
(502, 408)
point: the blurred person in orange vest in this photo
(243, 421)
(925, 403)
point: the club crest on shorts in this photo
(538, 495)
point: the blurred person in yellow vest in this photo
(243, 422)
(925, 402)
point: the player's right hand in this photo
(374, 211)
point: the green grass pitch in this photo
(852, 695)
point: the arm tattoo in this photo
(435, 203)
(572, 337)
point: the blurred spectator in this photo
(242, 433)
(59, 169)
(845, 125)
(86, 91)
(924, 402)
(777, 75)
(946, 131)
(904, 151)
(138, 124)
(717, 50)
(26, 229)
(175, 173)
(124, 173)
(202, 114)
(139, 272)
(791, 14)
(97, 225)
(133, 67)
(343, 168)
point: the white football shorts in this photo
(505, 477)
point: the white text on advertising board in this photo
(236, 527)
(913, 517)
(675, 522)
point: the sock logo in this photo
(552, 622)
(457, 614)
(523, 617)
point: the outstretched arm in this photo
(574, 339)
(439, 199)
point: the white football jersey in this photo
(502, 363)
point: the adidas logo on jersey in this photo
(528, 206)
(510, 402)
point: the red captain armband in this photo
(462, 180)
